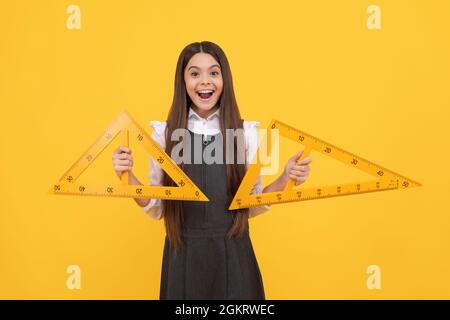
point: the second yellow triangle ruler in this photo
(125, 127)
(387, 179)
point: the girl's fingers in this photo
(124, 156)
(296, 178)
(122, 168)
(307, 160)
(122, 159)
(301, 166)
(124, 162)
(125, 149)
(296, 172)
(122, 150)
(299, 171)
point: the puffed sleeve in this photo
(251, 145)
(153, 208)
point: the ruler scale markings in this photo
(93, 151)
(323, 143)
(128, 128)
(388, 179)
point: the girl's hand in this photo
(122, 160)
(298, 172)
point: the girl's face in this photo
(204, 83)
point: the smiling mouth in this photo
(205, 94)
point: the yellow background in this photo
(381, 94)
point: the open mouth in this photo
(205, 95)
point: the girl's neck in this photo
(204, 113)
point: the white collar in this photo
(208, 126)
(192, 113)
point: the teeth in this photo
(205, 91)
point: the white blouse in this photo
(208, 126)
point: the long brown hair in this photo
(230, 118)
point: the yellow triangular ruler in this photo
(126, 127)
(388, 180)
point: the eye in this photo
(216, 73)
(194, 73)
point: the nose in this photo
(205, 79)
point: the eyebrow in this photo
(214, 65)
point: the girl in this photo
(208, 253)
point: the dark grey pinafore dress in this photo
(210, 266)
